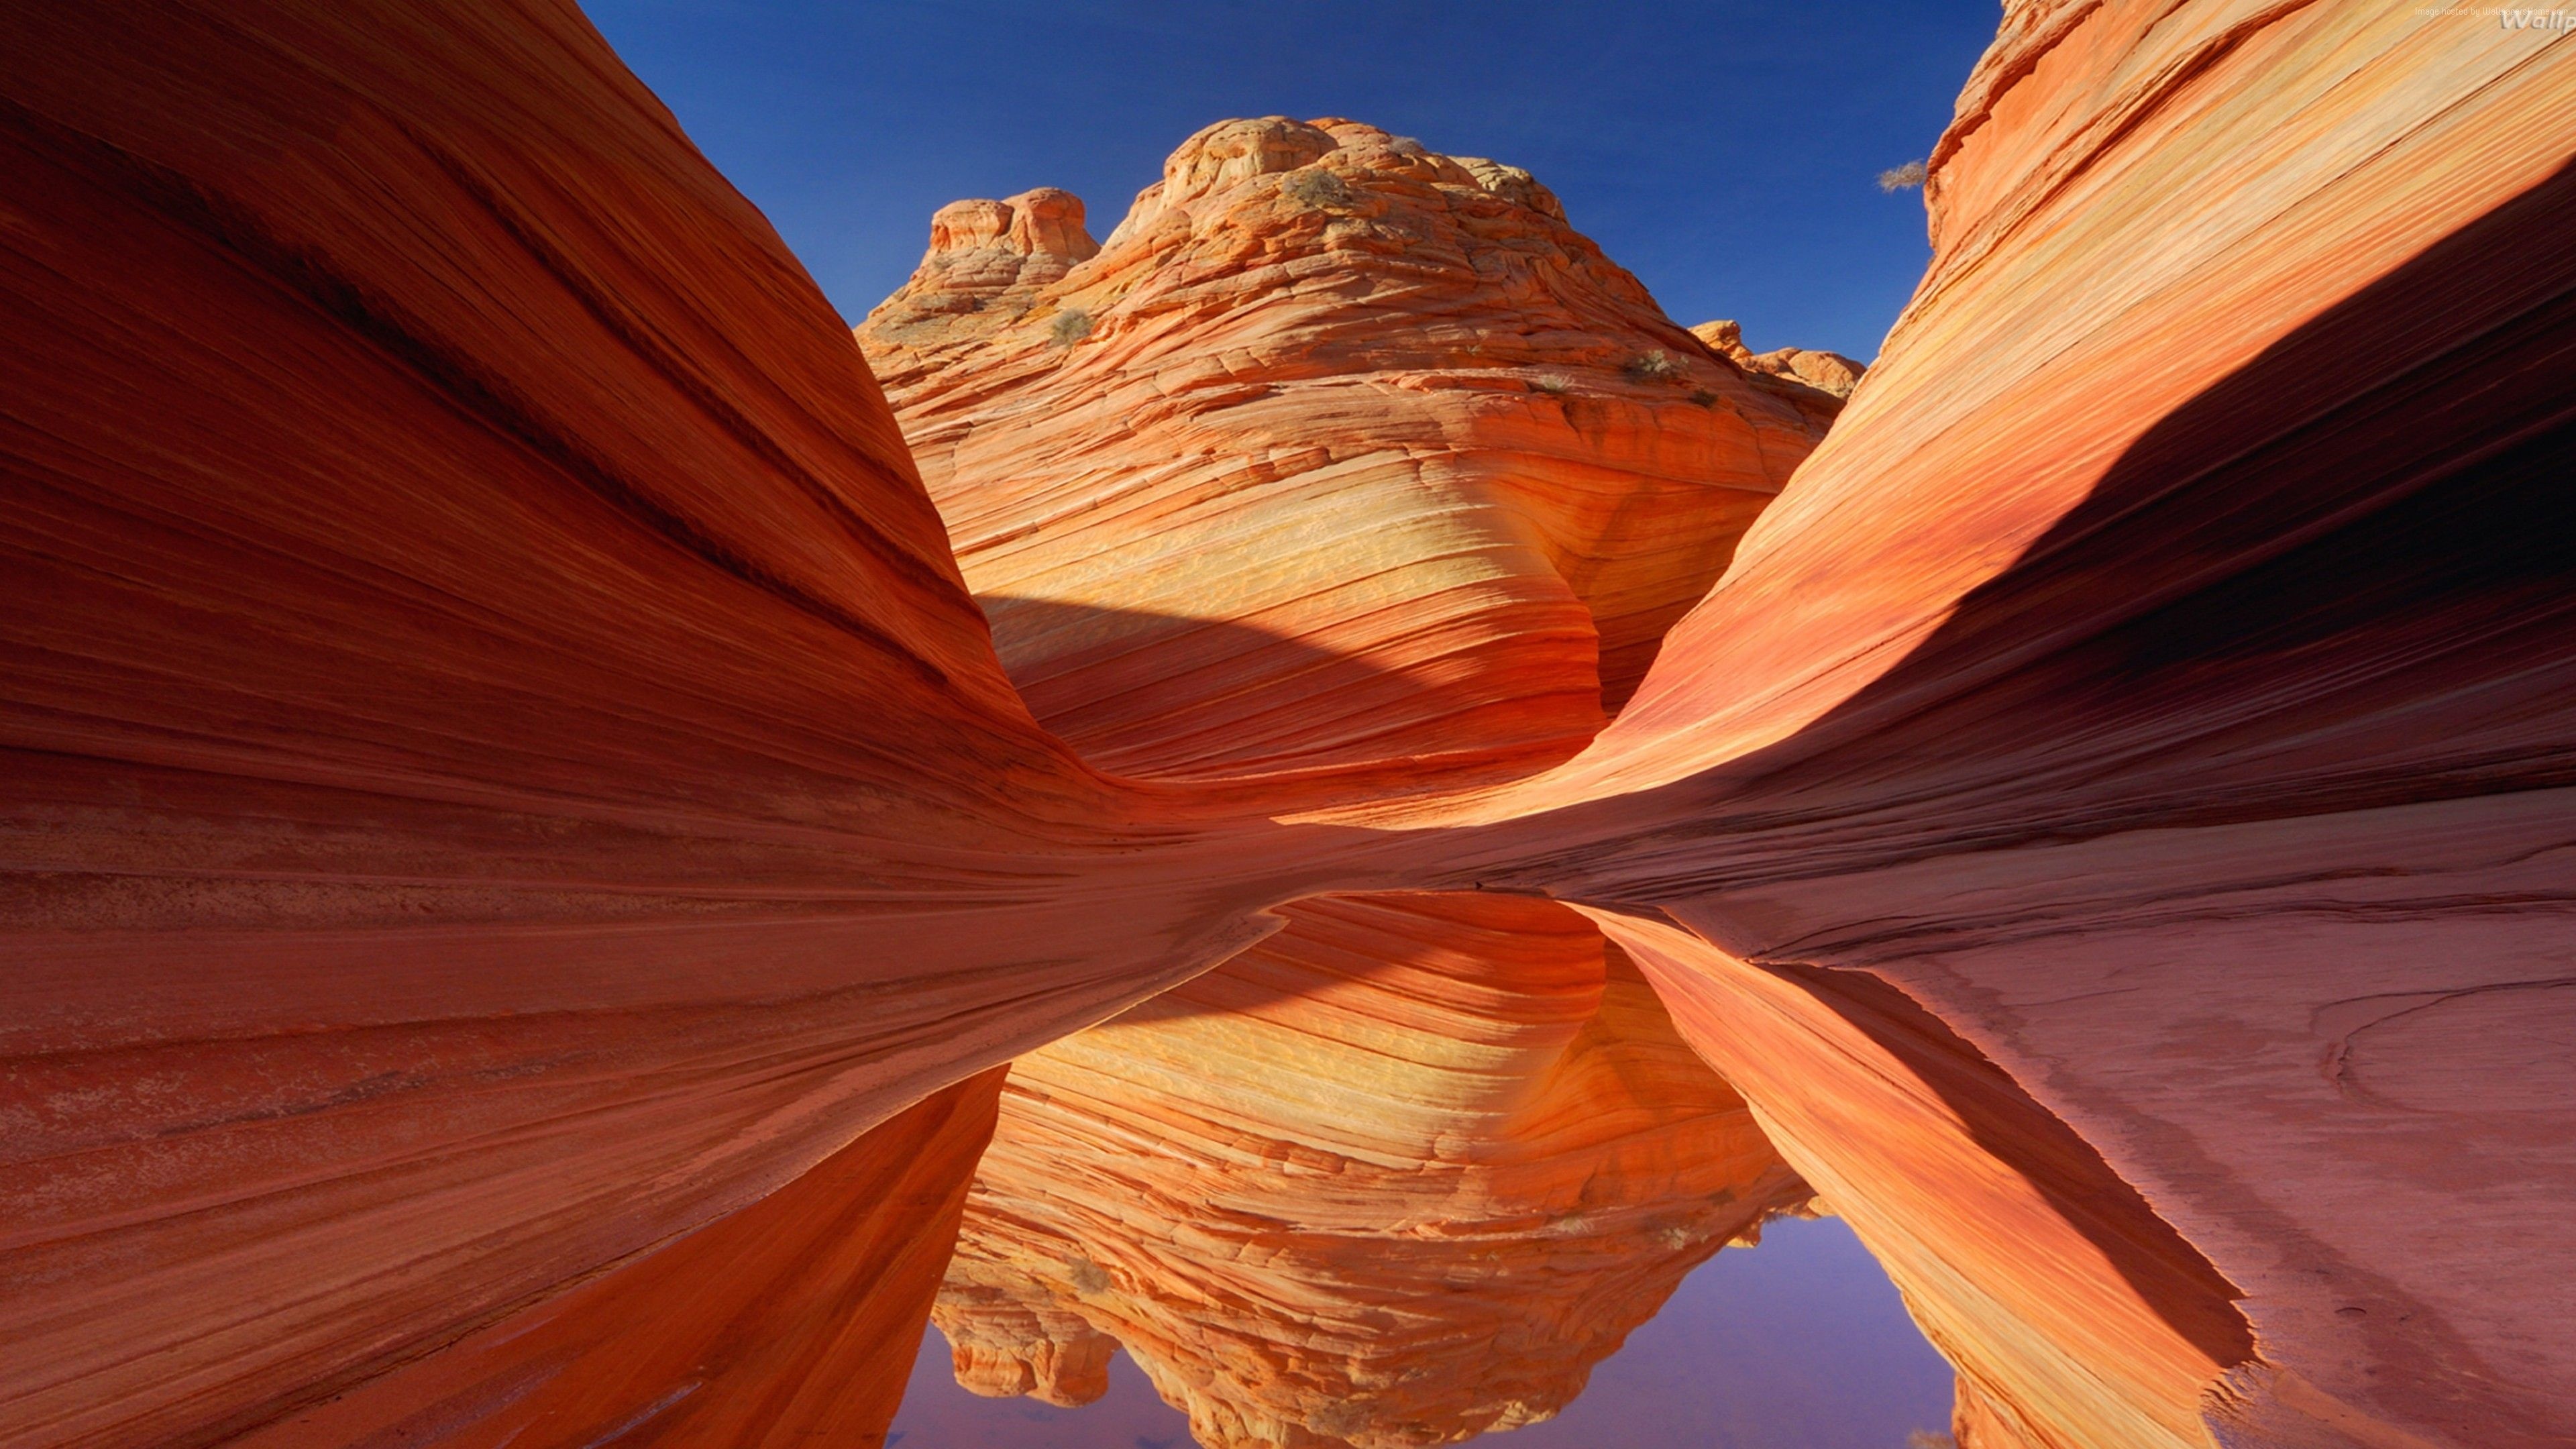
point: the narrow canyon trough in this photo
(586, 852)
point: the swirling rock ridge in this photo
(510, 794)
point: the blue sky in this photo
(1725, 152)
(1801, 1341)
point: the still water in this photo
(1800, 1340)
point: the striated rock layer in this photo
(778, 1324)
(498, 768)
(1398, 1175)
(508, 799)
(2160, 677)
(1338, 453)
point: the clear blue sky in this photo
(1725, 152)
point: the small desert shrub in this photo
(1069, 327)
(1926, 1439)
(1317, 187)
(1902, 178)
(1554, 384)
(1407, 146)
(1652, 366)
(1703, 397)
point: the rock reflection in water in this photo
(1802, 1341)
(1400, 1175)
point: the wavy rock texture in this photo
(1338, 454)
(2159, 677)
(776, 1325)
(500, 767)
(1398, 1175)
(503, 776)
(1968, 1192)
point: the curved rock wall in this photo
(777, 1325)
(497, 765)
(503, 778)
(2160, 676)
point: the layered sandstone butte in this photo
(1398, 1175)
(1414, 1164)
(512, 814)
(1338, 453)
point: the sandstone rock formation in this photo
(1339, 454)
(994, 254)
(1333, 1239)
(1826, 371)
(2158, 677)
(497, 767)
(508, 800)
(1398, 1175)
(775, 1325)
(2073, 1312)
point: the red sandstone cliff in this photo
(505, 787)
(498, 768)
(2158, 678)
(1338, 452)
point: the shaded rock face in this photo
(1338, 453)
(776, 1325)
(2074, 1313)
(2155, 677)
(485, 708)
(512, 813)
(1415, 1164)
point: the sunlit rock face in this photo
(1337, 452)
(1400, 1174)
(1825, 371)
(2159, 677)
(510, 805)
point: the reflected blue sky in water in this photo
(937, 1414)
(1725, 151)
(1799, 1342)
